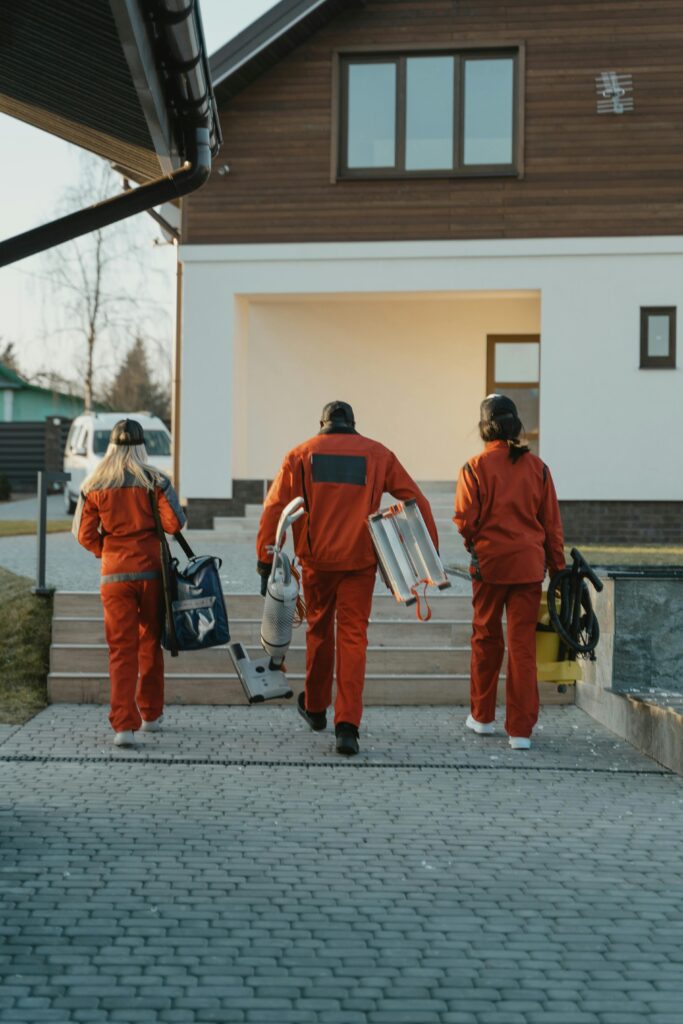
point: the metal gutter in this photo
(176, 39)
(193, 173)
(137, 49)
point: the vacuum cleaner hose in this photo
(570, 607)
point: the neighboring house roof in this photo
(268, 39)
(9, 380)
(102, 74)
(12, 381)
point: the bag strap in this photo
(183, 543)
(179, 537)
(165, 576)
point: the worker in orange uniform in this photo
(507, 512)
(341, 476)
(115, 520)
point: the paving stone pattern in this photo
(432, 736)
(71, 567)
(325, 893)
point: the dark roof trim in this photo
(267, 39)
(259, 35)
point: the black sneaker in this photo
(316, 719)
(347, 738)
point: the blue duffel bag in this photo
(198, 614)
(195, 616)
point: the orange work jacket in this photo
(341, 476)
(509, 516)
(117, 525)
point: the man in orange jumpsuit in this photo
(341, 476)
(507, 512)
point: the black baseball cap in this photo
(497, 407)
(127, 432)
(338, 412)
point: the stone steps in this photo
(216, 660)
(439, 496)
(408, 662)
(380, 690)
(445, 607)
(382, 633)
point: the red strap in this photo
(420, 598)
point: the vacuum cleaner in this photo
(264, 678)
(571, 610)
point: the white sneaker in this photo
(519, 742)
(481, 728)
(124, 739)
(154, 726)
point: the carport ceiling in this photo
(63, 69)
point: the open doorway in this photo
(513, 368)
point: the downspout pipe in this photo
(187, 178)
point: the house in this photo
(21, 402)
(421, 202)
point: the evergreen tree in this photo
(135, 388)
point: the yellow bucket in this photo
(548, 666)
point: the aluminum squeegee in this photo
(405, 551)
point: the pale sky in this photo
(35, 170)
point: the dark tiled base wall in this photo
(595, 522)
(200, 511)
(623, 522)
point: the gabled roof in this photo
(10, 379)
(268, 39)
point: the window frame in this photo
(648, 362)
(492, 384)
(342, 58)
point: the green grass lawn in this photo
(619, 554)
(25, 626)
(23, 527)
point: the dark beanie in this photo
(127, 432)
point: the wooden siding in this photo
(584, 173)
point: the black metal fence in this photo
(26, 448)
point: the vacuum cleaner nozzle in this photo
(259, 681)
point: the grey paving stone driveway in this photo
(71, 567)
(257, 878)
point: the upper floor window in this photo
(429, 114)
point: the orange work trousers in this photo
(132, 627)
(348, 597)
(521, 602)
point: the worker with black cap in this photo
(341, 476)
(115, 520)
(507, 511)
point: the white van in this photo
(88, 439)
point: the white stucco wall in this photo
(414, 370)
(607, 428)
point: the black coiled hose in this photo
(571, 609)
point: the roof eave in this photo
(257, 36)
